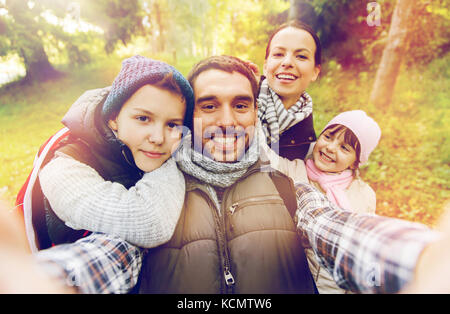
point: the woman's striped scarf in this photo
(274, 117)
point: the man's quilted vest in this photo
(250, 245)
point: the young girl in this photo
(292, 62)
(116, 174)
(343, 146)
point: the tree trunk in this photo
(393, 54)
(293, 10)
(29, 44)
(161, 39)
(302, 11)
(37, 66)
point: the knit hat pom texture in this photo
(136, 72)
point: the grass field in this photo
(409, 170)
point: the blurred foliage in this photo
(209, 27)
(348, 38)
(31, 29)
(186, 28)
(120, 20)
(430, 33)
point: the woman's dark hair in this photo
(305, 27)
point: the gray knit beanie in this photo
(138, 71)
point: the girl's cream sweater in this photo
(145, 215)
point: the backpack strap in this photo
(30, 200)
(284, 185)
(56, 229)
(25, 197)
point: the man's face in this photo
(224, 115)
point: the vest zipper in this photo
(275, 199)
(230, 212)
(219, 220)
(229, 279)
(227, 284)
(232, 208)
(228, 276)
(268, 199)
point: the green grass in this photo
(409, 170)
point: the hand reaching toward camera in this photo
(19, 273)
(254, 69)
(432, 274)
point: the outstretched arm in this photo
(98, 263)
(363, 253)
(19, 272)
(432, 273)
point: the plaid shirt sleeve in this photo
(98, 263)
(364, 253)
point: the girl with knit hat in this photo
(344, 144)
(116, 174)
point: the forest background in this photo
(52, 51)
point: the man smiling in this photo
(225, 115)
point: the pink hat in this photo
(364, 127)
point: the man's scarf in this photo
(216, 174)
